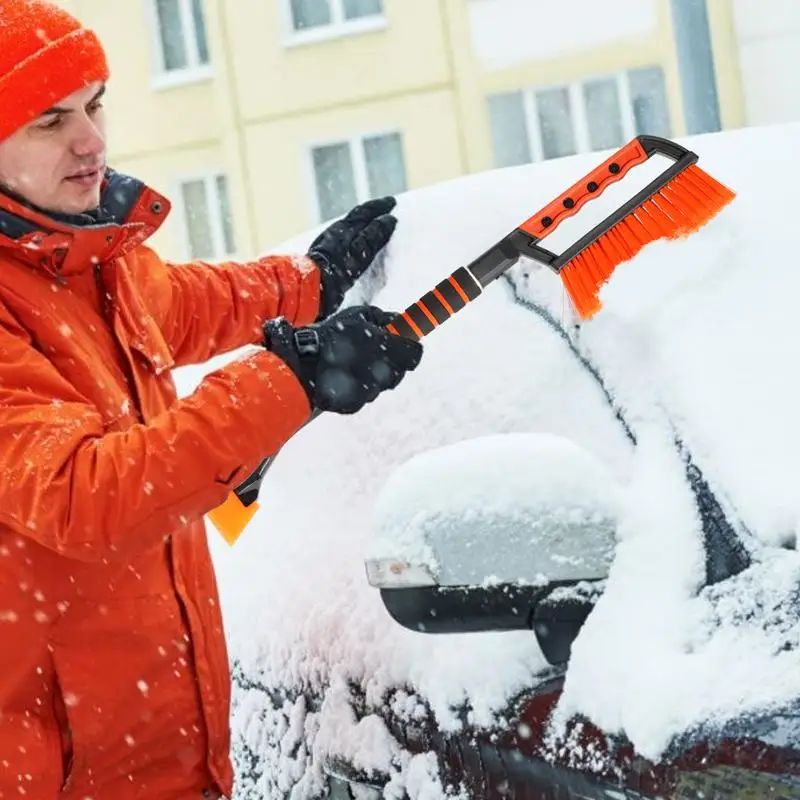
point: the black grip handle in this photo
(438, 305)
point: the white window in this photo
(182, 44)
(595, 114)
(208, 225)
(325, 18)
(349, 172)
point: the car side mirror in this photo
(507, 532)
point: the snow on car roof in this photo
(697, 336)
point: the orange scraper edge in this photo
(232, 517)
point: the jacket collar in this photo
(62, 245)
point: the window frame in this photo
(359, 161)
(337, 29)
(209, 180)
(577, 106)
(195, 72)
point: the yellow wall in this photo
(274, 81)
(289, 96)
(475, 84)
(265, 99)
(144, 120)
(277, 153)
(726, 63)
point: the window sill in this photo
(341, 30)
(175, 79)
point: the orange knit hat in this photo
(45, 56)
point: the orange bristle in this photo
(682, 206)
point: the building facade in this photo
(261, 118)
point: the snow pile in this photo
(696, 336)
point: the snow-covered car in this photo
(560, 559)
(522, 538)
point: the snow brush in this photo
(677, 203)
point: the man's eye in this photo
(51, 124)
(95, 107)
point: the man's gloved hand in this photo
(347, 360)
(344, 251)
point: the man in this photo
(113, 670)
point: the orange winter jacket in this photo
(114, 677)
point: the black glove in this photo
(347, 360)
(345, 250)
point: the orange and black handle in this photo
(587, 188)
(468, 282)
(438, 305)
(592, 185)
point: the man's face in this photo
(57, 161)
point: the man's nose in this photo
(89, 139)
